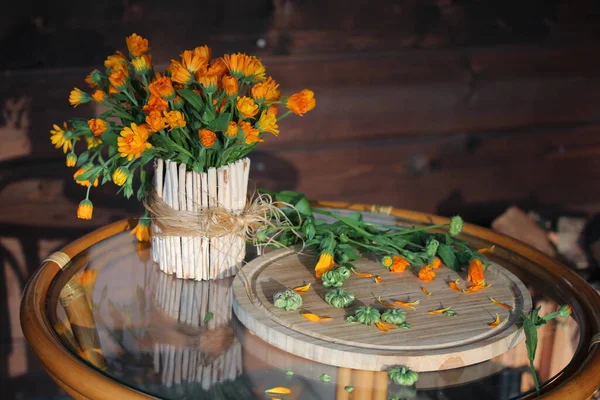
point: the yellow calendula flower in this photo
(302, 102)
(78, 97)
(251, 134)
(324, 264)
(180, 74)
(268, 123)
(207, 137)
(85, 209)
(142, 64)
(142, 230)
(58, 138)
(246, 107)
(99, 96)
(137, 45)
(273, 93)
(259, 91)
(133, 141)
(119, 78)
(97, 126)
(116, 60)
(232, 129)
(197, 59)
(254, 69)
(162, 87)
(156, 121)
(230, 85)
(85, 183)
(92, 142)
(71, 160)
(119, 177)
(236, 63)
(175, 119)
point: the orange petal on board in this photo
(476, 288)
(385, 304)
(425, 291)
(487, 250)
(278, 390)
(454, 285)
(384, 326)
(302, 289)
(377, 279)
(439, 310)
(315, 318)
(496, 321)
(499, 303)
(410, 304)
(362, 274)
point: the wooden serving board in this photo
(435, 342)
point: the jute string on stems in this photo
(260, 213)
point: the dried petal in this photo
(411, 304)
(425, 291)
(384, 326)
(454, 285)
(439, 310)
(487, 250)
(496, 322)
(503, 305)
(302, 289)
(385, 304)
(362, 274)
(315, 318)
(278, 390)
(476, 288)
(377, 279)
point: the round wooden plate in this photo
(435, 342)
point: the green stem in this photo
(535, 377)
(345, 221)
(284, 115)
(133, 100)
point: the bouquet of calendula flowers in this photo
(199, 112)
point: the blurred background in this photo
(488, 109)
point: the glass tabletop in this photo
(179, 339)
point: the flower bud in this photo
(456, 226)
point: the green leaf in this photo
(219, 124)
(208, 116)
(209, 315)
(446, 253)
(147, 156)
(83, 157)
(123, 114)
(355, 216)
(530, 338)
(88, 174)
(303, 207)
(192, 97)
(110, 138)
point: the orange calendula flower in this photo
(425, 291)
(439, 310)
(302, 289)
(94, 78)
(118, 79)
(207, 137)
(232, 129)
(156, 103)
(156, 121)
(217, 68)
(399, 264)
(426, 274)
(499, 303)
(301, 102)
(454, 286)
(180, 74)
(142, 64)
(268, 123)
(59, 139)
(362, 274)
(97, 126)
(496, 322)
(142, 230)
(236, 63)
(133, 141)
(210, 82)
(162, 87)
(475, 273)
(407, 304)
(246, 107)
(85, 209)
(254, 69)
(112, 90)
(436, 263)
(78, 97)
(230, 85)
(315, 318)
(273, 93)
(386, 304)
(259, 91)
(137, 45)
(384, 326)
(324, 264)
(175, 119)
(85, 183)
(197, 59)
(99, 96)
(117, 60)
(278, 390)
(251, 134)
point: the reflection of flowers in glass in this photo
(142, 230)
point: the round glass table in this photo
(106, 323)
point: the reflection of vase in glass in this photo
(204, 349)
(198, 257)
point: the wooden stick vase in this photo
(200, 257)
